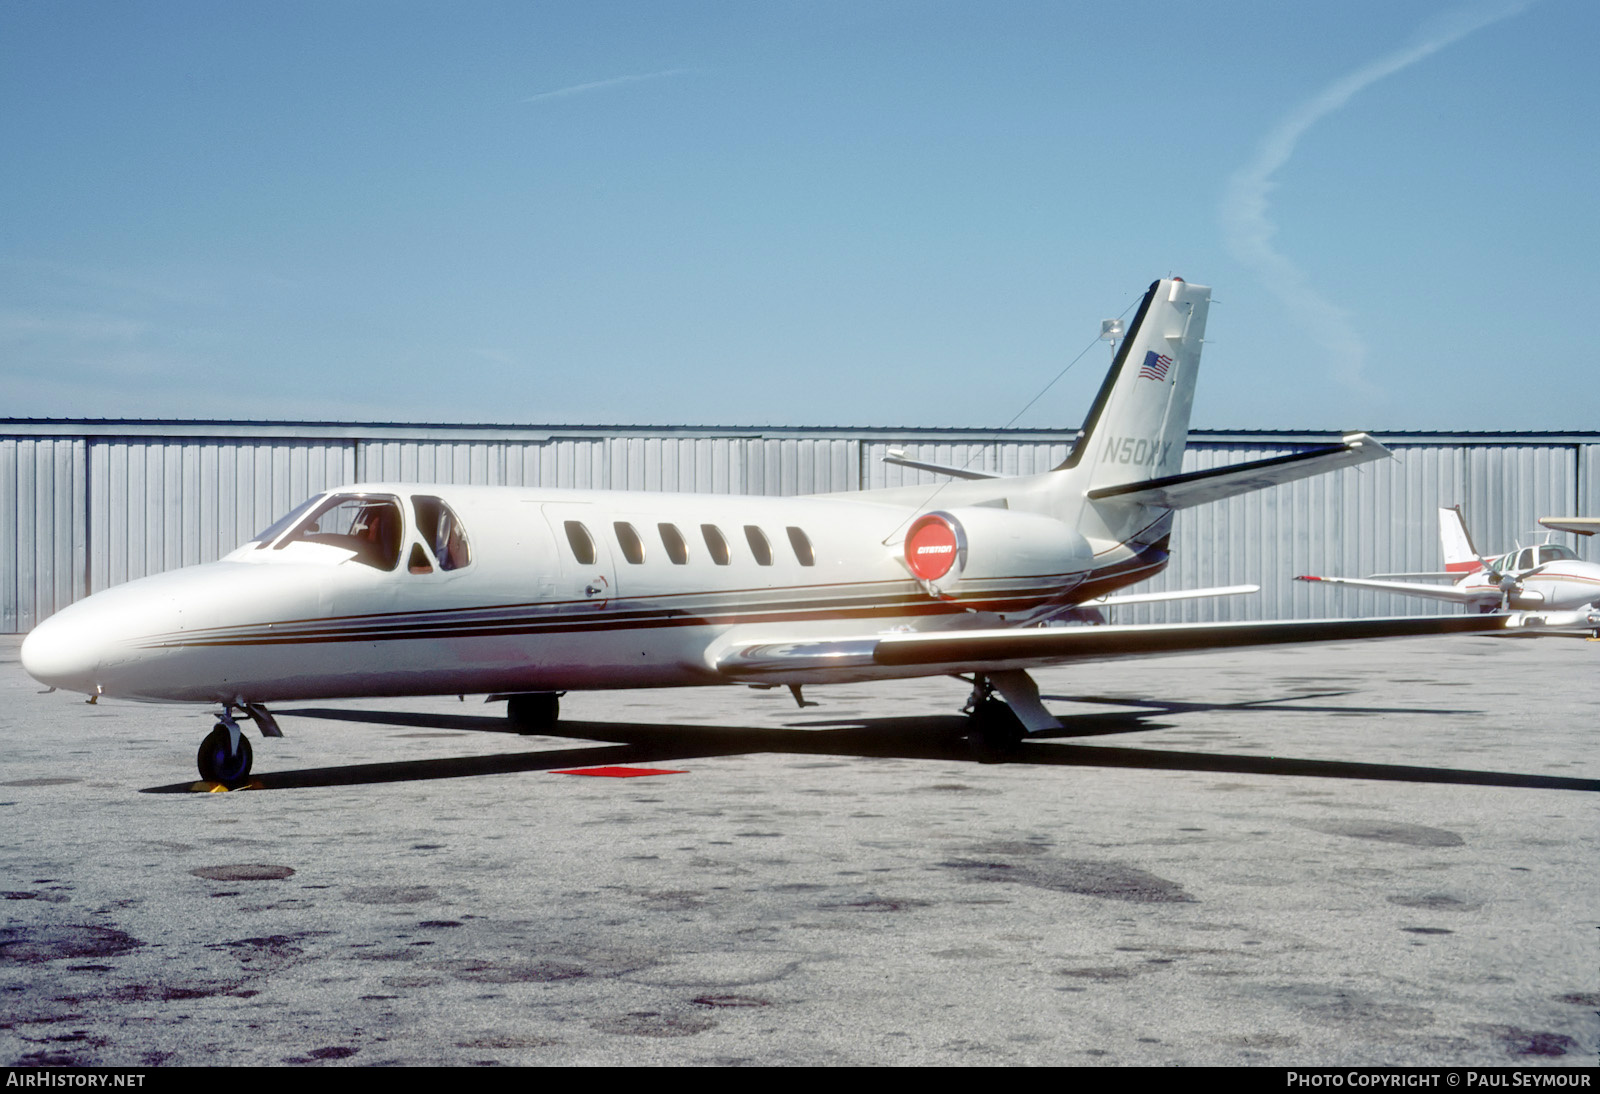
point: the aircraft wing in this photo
(839, 660)
(1200, 487)
(1408, 588)
(1174, 594)
(1583, 526)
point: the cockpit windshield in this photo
(281, 525)
(368, 524)
(1529, 557)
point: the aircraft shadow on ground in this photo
(1084, 725)
(922, 738)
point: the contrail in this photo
(1244, 204)
(578, 89)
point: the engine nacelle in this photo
(947, 548)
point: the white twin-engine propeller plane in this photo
(1548, 578)
(390, 589)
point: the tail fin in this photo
(1139, 423)
(1460, 556)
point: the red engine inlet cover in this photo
(931, 547)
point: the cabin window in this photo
(419, 563)
(672, 540)
(628, 539)
(716, 544)
(365, 524)
(581, 542)
(440, 528)
(802, 546)
(758, 545)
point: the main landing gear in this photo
(996, 728)
(534, 712)
(225, 755)
(993, 731)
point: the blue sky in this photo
(875, 212)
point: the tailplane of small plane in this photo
(1455, 543)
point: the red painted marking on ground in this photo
(618, 772)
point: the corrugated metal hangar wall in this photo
(87, 505)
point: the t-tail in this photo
(1139, 422)
(1127, 467)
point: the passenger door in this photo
(583, 568)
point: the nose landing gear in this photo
(225, 755)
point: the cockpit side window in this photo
(440, 528)
(368, 524)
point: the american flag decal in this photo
(1155, 366)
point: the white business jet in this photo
(390, 589)
(1545, 578)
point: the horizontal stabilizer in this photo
(1200, 487)
(898, 459)
(1406, 588)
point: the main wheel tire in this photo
(216, 760)
(993, 731)
(534, 713)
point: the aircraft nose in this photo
(59, 654)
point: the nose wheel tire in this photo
(218, 762)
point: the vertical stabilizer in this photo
(1460, 556)
(1139, 423)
